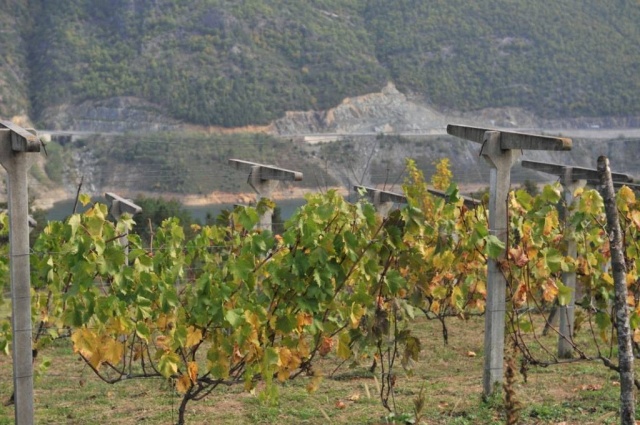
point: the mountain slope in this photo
(236, 63)
(566, 59)
(14, 27)
(208, 62)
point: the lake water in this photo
(63, 209)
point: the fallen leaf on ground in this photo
(340, 404)
(590, 387)
(471, 354)
(354, 397)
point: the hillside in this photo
(15, 24)
(229, 63)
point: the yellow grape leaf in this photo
(435, 306)
(284, 356)
(541, 269)
(163, 342)
(636, 336)
(283, 374)
(549, 290)
(608, 279)
(578, 192)
(427, 251)
(625, 198)
(252, 318)
(112, 351)
(532, 251)
(84, 199)
(456, 297)
(287, 361)
(85, 342)
(356, 314)
(183, 383)
(303, 319)
(192, 368)
(550, 222)
(162, 322)
(443, 260)
(118, 325)
(480, 287)
(591, 202)
(303, 348)
(194, 336)
(168, 364)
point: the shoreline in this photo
(213, 198)
(191, 200)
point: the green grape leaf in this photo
(564, 294)
(494, 247)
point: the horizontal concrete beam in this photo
(401, 199)
(384, 195)
(577, 173)
(512, 140)
(267, 172)
(468, 201)
(122, 205)
(21, 139)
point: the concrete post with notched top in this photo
(500, 149)
(17, 148)
(263, 179)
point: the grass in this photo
(449, 376)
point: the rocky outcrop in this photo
(388, 111)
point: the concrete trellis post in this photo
(571, 178)
(121, 206)
(500, 149)
(263, 179)
(16, 144)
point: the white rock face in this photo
(388, 111)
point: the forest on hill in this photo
(237, 63)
